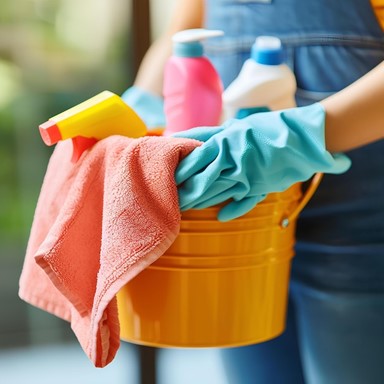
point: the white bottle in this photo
(264, 80)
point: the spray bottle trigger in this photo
(80, 145)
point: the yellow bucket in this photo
(219, 284)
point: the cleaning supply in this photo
(192, 87)
(109, 217)
(268, 152)
(101, 116)
(264, 81)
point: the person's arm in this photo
(186, 15)
(355, 115)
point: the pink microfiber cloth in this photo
(98, 223)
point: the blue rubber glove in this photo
(246, 159)
(148, 106)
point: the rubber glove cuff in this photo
(148, 106)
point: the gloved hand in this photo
(246, 159)
(148, 106)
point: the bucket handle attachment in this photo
(306, 197)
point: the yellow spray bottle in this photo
(101, 116)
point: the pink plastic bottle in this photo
(192, 87)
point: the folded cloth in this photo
(98, 223)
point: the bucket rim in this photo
(237, 256)
(239, 232)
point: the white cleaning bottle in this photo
(264, 81)
(192, 87)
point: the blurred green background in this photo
(53, 55)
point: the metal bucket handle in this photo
(304, 200)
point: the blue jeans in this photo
(316, 345)
(335, 326)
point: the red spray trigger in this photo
(80, 145)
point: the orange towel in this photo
(98, 223)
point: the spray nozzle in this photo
(101, 116)
(187, 43)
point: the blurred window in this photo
(53, 55)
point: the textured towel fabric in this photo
(98, 223)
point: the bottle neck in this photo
(190, 49)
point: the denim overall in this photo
(335, 330)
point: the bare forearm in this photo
(355, 115)
(150, 74)
(187, 14)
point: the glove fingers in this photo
(222, 190)
(342, 163)
(236, 209)
(202, 187)
(200, 133)
(194, 163)
(209, 200)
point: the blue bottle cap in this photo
(267, 50)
